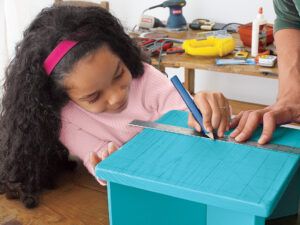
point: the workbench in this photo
(191, 63)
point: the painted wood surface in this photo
(226, 175)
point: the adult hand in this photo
(284, 111)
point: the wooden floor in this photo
(80, 200)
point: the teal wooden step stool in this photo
(159, 178)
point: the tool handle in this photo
(189, 102)
(175, 50)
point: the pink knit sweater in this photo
(150, 96)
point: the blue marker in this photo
(191, 105)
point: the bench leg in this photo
(131, 206)
(189, 80)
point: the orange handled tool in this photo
(175, 50)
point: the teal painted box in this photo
(160, 178)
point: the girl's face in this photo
(99, 82)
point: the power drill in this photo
(176, 20)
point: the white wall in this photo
(218, 10)
(246, 88)
(15, 16)
(3, 42)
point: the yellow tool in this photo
(241, 55)
(212, 46)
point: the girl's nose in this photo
(115, 99)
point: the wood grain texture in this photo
(189, 79)
(208, 63)
(78, 200)
(190, 63)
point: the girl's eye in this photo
(94, 98)
(119, 76)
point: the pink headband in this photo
(57, 54)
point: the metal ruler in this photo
(191, 132)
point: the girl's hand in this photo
(97, 158)
(215, 110)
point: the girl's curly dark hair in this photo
(31, 155)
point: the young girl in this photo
(75, 83)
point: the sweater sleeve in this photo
(160, 95)
(80, 143)
(287, 14)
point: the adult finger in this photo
(235, 121)
(269, 125)
(253, 120)
(240, 125)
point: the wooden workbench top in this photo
(208, 63)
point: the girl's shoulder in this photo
(152, 71)
(151, 76)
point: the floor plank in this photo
(79, 200)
